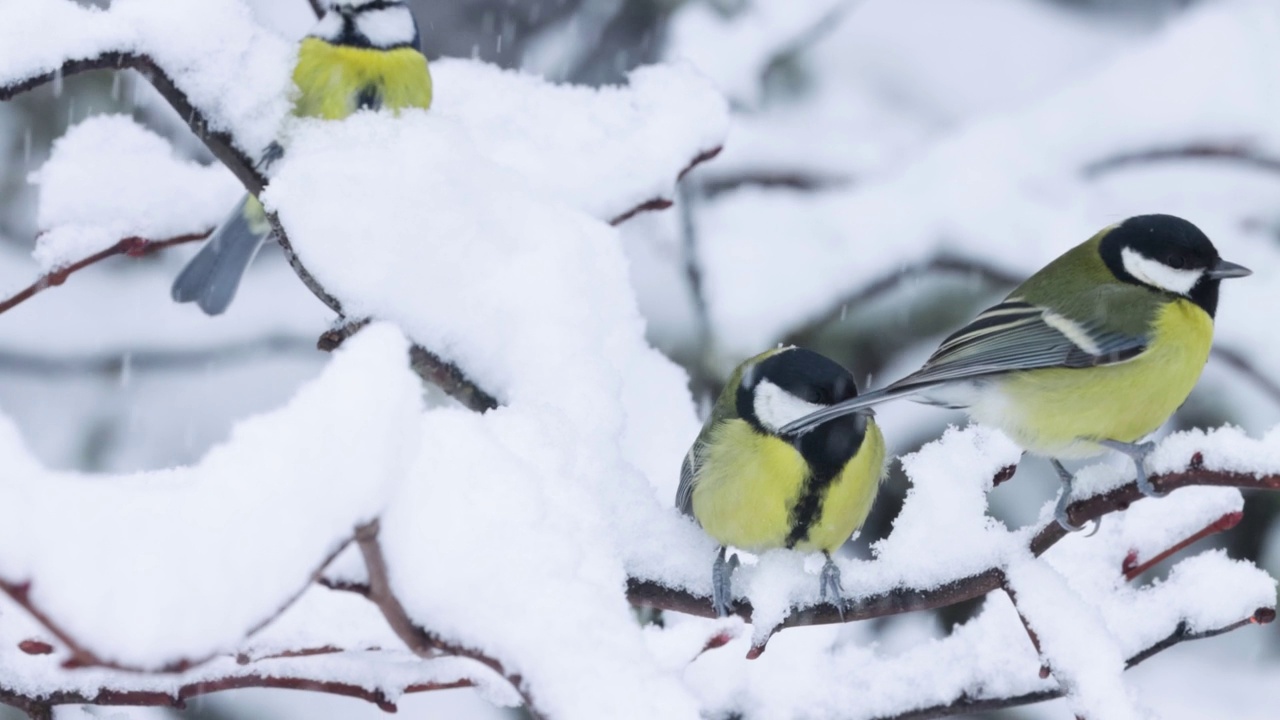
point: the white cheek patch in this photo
(1157, 274)
(329, 27)
(386, 28)
(776, 407)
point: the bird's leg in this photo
(829, 584)
(1060, 512)
(722, 583)
(1138, 452)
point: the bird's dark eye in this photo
(1177, 262)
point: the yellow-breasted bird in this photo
(1094, 351)
(360, 55)
(753, 486)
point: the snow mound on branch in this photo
(605, 150)
(180, 564)
(110, 178)
(531, 296)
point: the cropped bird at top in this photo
(360, 55)
(1094, 351)
(752, 486)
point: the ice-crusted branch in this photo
(131, 246)
(908, 599)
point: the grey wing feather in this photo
(212, 277)
(1016, 335)
(688, 469)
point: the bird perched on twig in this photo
(753, 486)
(362, 54)
(1093, 352)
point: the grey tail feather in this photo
(860, 403)
(212, 277)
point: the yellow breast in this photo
(749, 483)
(331, 79)
(1061, 412)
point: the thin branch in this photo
(219, 143)
(1133, 568)
(1237, 362)
(1227, 151)
(450, 378)
(649, 593)
(131, 246)
(178, 699)
(664, 203)
(421, 642)
(117, 362)
(986, 272)
(966, 705)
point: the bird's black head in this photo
(784, 385)
(1168, 254)
(372, 24)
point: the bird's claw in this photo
(722, 584)
(829, 586)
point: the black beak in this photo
(1224, 270)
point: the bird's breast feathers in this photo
(334, 81)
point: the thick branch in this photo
(966, 705)
(908, 599)
(131, 246)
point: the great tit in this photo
(1094, 351)
(752, 486)
(362, 54)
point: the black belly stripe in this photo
(808, 508)
(369, 98)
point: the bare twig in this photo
(1237, 362)
(1227, 151)
(664, 203)
(907, 599)
(142, 360)
(131, 246)
(978, 269)
(965, 705)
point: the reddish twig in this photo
(421, 642)
(664, 203)
(80, 656)
(1132, 568)
(131, 246)
(1226, 151)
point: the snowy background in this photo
(889, 167)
